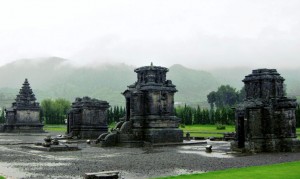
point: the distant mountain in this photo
(192, 85)
(56, 78)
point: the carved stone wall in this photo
(265, 121)
(87, 118)
(149, 110)
(27, 116)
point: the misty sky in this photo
(200, 34)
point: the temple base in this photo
(88, 132)
(23, 128)
(162, 135)
(269, 145)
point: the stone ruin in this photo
(24, 115)
(150, 113)
(265, 121)
(87, 119)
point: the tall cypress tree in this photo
(2, 118)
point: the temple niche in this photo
(24, 115)
(150, 113)
(265, 121)
(87, 119)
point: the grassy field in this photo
(288, 170)
(55, 127)
(206, 130)
(1, 177)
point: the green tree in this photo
(54, 111)
(212, 116)
(223, 115)
(2, 117)
(211, 99)
(198, 115)
(218, 116)
(231, 116)
(224, 96)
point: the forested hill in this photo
(55, 78)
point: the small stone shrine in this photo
(265, 121)
(24, 115)
(87, 118)
(149, 111)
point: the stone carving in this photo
(149, 110)
(87, 118)
(24, 115)
(265, 121)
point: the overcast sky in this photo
(200, 33)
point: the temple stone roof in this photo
(89, 102)
(25, 98)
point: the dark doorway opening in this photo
(241, 132)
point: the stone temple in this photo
(265, 121)
(87, 119)
(149, 111)
(24, 115)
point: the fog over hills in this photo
(56, 78)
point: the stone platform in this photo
(54, 148)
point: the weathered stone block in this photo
(266, 121)
(87, 118)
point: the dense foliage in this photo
(190, 115)
(225, 96)
(54, 111)
(115, 113)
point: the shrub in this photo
(220, 127)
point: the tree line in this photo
(56, 111)
(190, 115)
(115, 113)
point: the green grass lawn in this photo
(206, 130)
(55, 127)
(284, 170)
(1, 177)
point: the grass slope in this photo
(288, 170)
